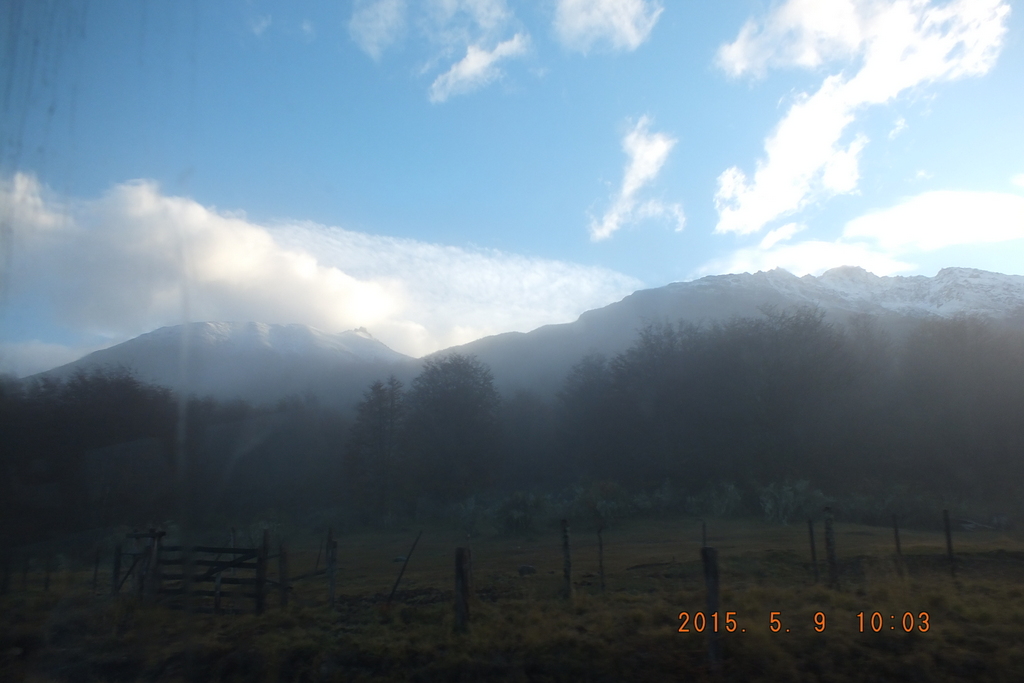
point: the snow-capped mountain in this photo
(540, 359)
(261, 362)
(255, 361)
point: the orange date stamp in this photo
(865, 622)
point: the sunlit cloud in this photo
(810, 155)
(897, 128)
(891, 240)
(376, 25)
(647, 153)
(476, 69)
(622, 24)
(129, 262)
(935, 220)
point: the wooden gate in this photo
(182, 576)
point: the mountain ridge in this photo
(264, 362)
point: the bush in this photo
(783, 502)
(721, 501)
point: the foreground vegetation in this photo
(522, 630)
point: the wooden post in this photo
(814, 551)
(153, 578)
(463, 586)
(830, 551)
(402, 570)
(899, 551)
(600, 556)
(567, 590)
(332, 557)
(709, 556)
(282, 574)
(96, 570)
(234, 570)
(949, 543)
(115, 576)
(261, 572)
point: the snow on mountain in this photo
(258, 362)
(263, 363)
(541, 358)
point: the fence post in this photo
(949, 543)
(115, 575)
(282, 573)
(600, 556)
(463, 586)
(566, 561)
(153, 579)
(96, 570)
(814, 551)
(830, 550)
(261, 572)
(709, 556)
(332, 556)
(401, 571)
(899, 551)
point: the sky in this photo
(441, 170)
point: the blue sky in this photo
(441, 170)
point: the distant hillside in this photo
(258, 362)
(540, 359)
(263, 363)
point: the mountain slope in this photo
(255, 361)
(540, 359)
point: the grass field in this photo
(522, 630)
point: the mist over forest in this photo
(770, 416)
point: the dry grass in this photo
(522, 631)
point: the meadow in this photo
(522, 629)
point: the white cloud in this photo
(624, 24)
(897, 128)
(476, 69)
(122, 264)
(1018, 180)
(376, 25)
(892, 239)
(781, 234)
(901, 45)
(810, 257)
(647, 153)
(939, 219)
(259, 25)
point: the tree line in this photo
(748, 404)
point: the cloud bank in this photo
(124, 263)
(647, 153)
(900, 45)
(892, 240)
